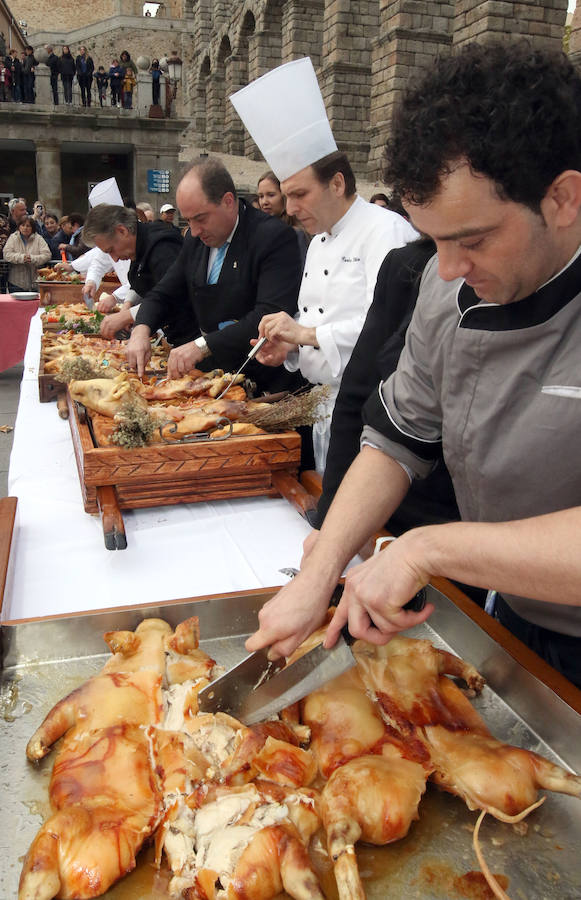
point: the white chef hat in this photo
(106, 192)
(285, 115)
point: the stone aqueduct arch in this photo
(363, 52)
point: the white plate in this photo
(26, 295)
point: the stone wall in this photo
(575, 39)
(364, 52)
(62, 15)
(10, 34)
(502, 20)
(38, 14)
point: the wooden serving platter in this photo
(59, 292)
(114, 478)
(48, 386)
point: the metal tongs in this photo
(250, 356)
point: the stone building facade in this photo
(364, 52)
(38, 14)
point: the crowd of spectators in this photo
(114, 84)
(28, 239)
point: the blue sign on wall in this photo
(158, 181)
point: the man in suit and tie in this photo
(236, 265)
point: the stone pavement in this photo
(9, 396)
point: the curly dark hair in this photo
(511, 111)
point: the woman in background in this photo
(49, 233)
(127, 63)
(67, 69)
(26, 251)
(271, 200)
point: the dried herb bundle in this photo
(135, 425)
(302, 408)
(76, 368)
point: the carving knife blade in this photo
(250, 356)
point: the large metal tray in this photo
(43, 660)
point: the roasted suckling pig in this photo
(238, 811)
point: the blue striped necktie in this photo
(217, 264)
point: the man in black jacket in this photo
(28, 77)
(152, 247)
(85, 67)
(15, 67)
(54, 66)
(236, 265)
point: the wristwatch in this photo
(201, 343)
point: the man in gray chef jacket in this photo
(486, 155)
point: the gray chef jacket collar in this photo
(533, 310)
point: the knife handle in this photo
(258, 346)
(416, 604)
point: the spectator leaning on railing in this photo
(84, 67)
(16, 71)
(67, 70)
(29, 65)
(102, 79)
(155, 81)
(53, 64)
(116, 81)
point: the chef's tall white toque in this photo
(106, 192)
(285, 115)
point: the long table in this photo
(58, 560)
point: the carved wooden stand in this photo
(113, 478)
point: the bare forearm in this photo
(372, 489)
(537, 557)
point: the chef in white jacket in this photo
(95, 264)
(352, 237)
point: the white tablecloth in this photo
(59, 563)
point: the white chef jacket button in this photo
(321, 310)
(326, 272)
(306, 273)
(305, 308)
(323, 239)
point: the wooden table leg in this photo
(113, 525)
(62, 406)
(289, 488)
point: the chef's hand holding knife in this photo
(372, 601)
(376, 592)
(283, 335)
